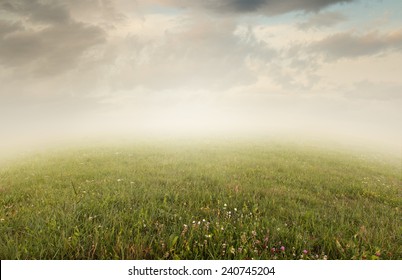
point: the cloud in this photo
(351, 45)
(52, 50)
(376, 91)
(7, 27)
(102, 12)
(204, 54)
(325, 19)
(41, 38)
(38, 11)
(127, 64)
(268, 7)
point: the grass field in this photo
(200, 201)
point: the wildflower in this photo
(378, 253)
(325, 257)
(203, 220)
(232, 250)
(254, 233)
(235, 209)
(305, 252)
(273, 249)
(283, 248)
(185, 229)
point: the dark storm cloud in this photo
(236, 5)
(38, 11)
(55, 49)
(348, 45)
(42, 38)
(272, 6)
(269, 7)
(7, 27)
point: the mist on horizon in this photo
(110, 69)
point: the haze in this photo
(97, 68)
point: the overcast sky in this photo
(82, 67)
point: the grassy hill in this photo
(191, 201)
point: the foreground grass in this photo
(200, 202)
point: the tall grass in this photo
(212, 201)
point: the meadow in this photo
(200, 201)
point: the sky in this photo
(259, 67)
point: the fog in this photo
(366, 125)
(93, 70)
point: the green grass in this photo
(209, 201)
